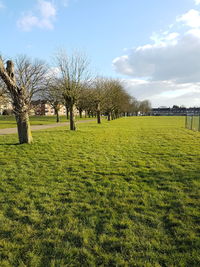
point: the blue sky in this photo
(119, 37)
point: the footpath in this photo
(40, 127)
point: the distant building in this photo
(193, 111)
(42, 107)
(5, 105)
(175, 111)
(38, 107)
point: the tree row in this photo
(69, 84)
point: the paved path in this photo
(40, 127)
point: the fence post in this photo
(192, 120)
(186, 119)
(199, 123)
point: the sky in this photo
(152, 46)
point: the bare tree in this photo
(22, 84)
(134, 106)
(84, 100)
(74, 73)
(99, 96)
(145, 107)
(114, 98)
(53, 95)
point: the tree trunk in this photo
(109, 116)
(80, 113)
(57, 115)
(72, 118)
(98, 113)
(19, 102)
(67, 112)
(23, 127)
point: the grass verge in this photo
(124, 193)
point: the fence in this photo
(193, 122)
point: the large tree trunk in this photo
(23, 127)
(72, 118)
(19, 102)
(21, 108)
(98, 113)
(57, 115)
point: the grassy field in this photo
(9, 121)
(124, 193)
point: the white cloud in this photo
(46, 9)
(165, 37)
(164, 93)
(178, 61)
(27, 22)
(53, 71)
(167, 70)
(191, 18)
(197, 2)
(45, 19)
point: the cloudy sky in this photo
(153, 46)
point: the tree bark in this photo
(109, 116)
(57, 115)
(72, 118)
(67, 112)
(21, 109)
(19, 102)
(23, 128)
(98, 113)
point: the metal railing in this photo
(192, 122)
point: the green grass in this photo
(9, 121)
(124, 193)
